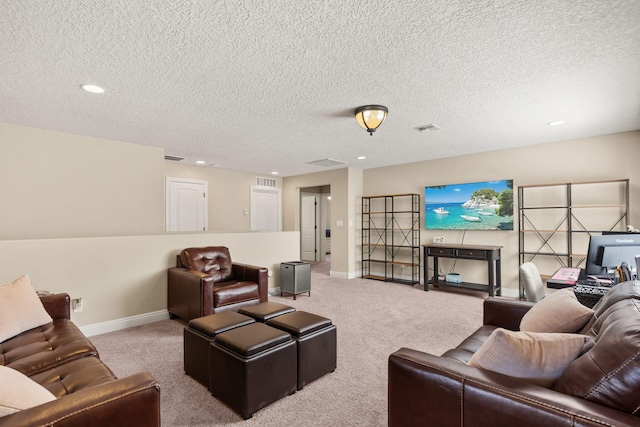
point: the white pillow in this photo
(559, 312)
(18, 392)
(538, 358)
(20, 308)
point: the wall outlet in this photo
(438, 239)
(76, 305)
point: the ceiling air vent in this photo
(327, 162)
(266, 182)
(173, 158)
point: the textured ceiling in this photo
(262, 86)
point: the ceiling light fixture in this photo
(556, 123)
(274, 173)
(361, 157)
(369, 117)
(92, 88)
(200, 162)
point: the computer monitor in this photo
(608, 251)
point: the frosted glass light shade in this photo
(369, 117)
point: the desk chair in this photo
(531, 282)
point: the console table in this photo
(490, 254)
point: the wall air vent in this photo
(173, 158)
(266, 182)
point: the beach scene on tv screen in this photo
(484, 205)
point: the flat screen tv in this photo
(486, 205)
(607, 251)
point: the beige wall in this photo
(86, 216)
(343, 199)
(229, 194)
(62, 185)
(119, 277)
(590, 159)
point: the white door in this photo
(266, 209)
(308, 226)
(186, 205)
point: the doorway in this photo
(315, 224)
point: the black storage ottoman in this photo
(317, 342)
(252, 367)
(266, 310)
(198, 336)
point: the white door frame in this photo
(316, 224)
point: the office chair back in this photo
(531, 282)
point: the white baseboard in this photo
(124, 323)
(341, 275)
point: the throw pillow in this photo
(18, 392)
(538, 358)
(20, 308)
(559, 312)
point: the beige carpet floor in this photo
(373, 320)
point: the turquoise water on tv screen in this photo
(477, 219)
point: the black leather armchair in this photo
(206, 281)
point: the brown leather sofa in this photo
(206, 281)
(600, 388)
(60, 358)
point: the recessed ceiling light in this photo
(274, 173)
(200, 162)
(92, 88)
(556, 123)
(361, 157)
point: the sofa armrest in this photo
(131, 401)
(429, 390)
(253, 273)
(190, 293)
(505, 313)
(57, 305)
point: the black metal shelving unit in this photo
(391, 238)
(556, 220)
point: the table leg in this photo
(491, 278)
(426, 269)
(498, 277)
(435, 271)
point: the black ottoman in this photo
(317, 341)
(266, 310)
(198, 336)
(252, 367)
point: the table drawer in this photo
(442, 252)
(472, 253)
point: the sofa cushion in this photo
(538, 358)
(20, 308)
(609, 372)
(67, 378)
(467, 348)
(18, 392)
(558, 312)
(45, 347)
